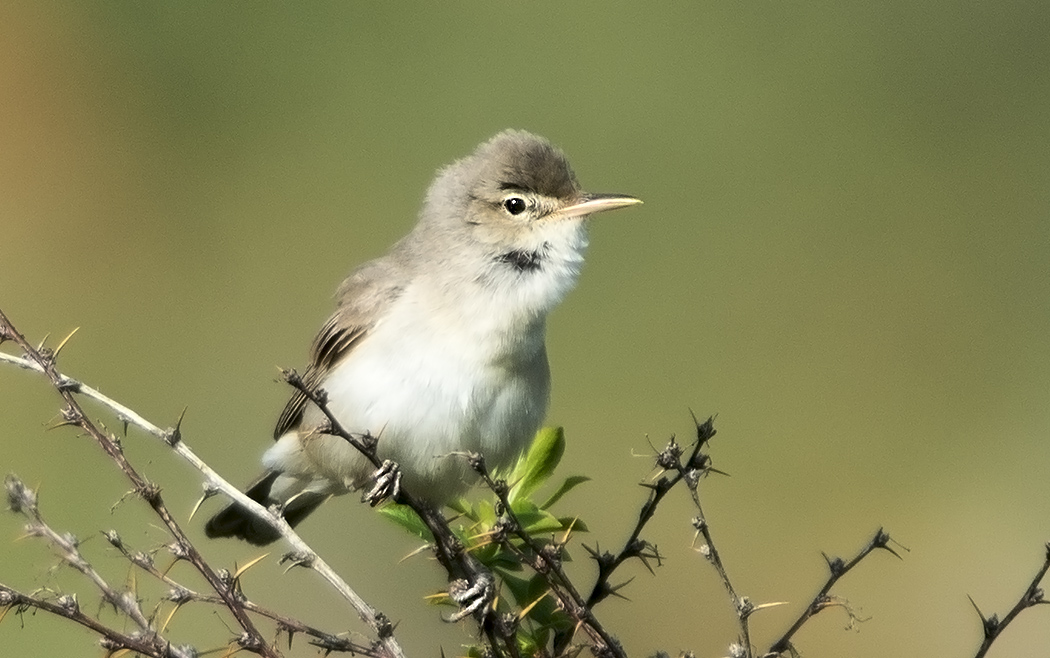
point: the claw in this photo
(471, 597)
(387, 480)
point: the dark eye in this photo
(515, 205)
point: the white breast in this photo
(427, 389)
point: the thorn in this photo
(200, 502)
(481, 539)
(120, 501)
(696, 421)
(615, 590)
(568, 531)
(650, 442)
(646, 563)
(164, 626)
(887, 548)
(526, 609)
(169, 567)
(974, 604)
(705, 431)
(63, 423)
(440, 597)
(134, 586)
(173, 436)
(835, 564)
(772, 604)
(990, 624)
(54, 355)
(416, 552)
(899, 545)
(249, 565)
(654, 555)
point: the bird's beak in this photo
(593, 203)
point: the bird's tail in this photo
(235, 521)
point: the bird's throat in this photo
(524, 260)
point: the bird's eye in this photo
(515, 205)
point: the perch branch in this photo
(43, 362)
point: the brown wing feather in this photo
(364, 296)
(330, 346)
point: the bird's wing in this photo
(364, 298)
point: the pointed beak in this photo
(594, 203)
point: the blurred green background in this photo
(844, 253)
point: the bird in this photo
(438, 347)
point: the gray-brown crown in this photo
(513, 159)
(516, 159)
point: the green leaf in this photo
(537, 465)
(539, 522)
(570, 483)
(405, 517)
(518, 588)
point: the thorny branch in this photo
(697, 466)
(22, 500)
(43, 361)
(147, 639)
(180, 595)
(691, 470)
(668, 460)
(73, 414)
(546, 561)
(146, 644)
(1032, 596)
(838, 568)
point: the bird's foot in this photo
(387, 479)
(471, 597)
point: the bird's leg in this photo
(471, 597)
(387, 485)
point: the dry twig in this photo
(43, 361)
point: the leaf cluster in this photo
(483, 527)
